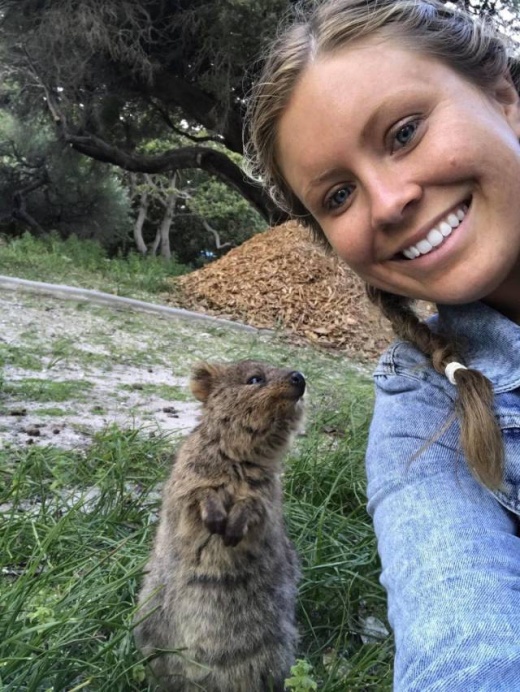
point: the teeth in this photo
(453, 220)
(445, 229)
(424, 247)
(437, 235)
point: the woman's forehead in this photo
(341, 95)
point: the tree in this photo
(189, 213)
(115, 73)
(140, 192)
(46, 186)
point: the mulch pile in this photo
(281, 279)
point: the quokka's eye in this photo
(256, 379)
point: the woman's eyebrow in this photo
(388, 108)
(324, 177)
(391, 106)
(370, 124)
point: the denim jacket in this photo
(449, 548)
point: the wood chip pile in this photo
(281, 279)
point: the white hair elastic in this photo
(451, 368)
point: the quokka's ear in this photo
(203, 376)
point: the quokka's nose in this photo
(298, 380)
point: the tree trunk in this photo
(156, 242)
(20, 213)
(166, 223)
(138, 227)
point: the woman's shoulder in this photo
(485, 339)
(403, 367)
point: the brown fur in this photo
(221, 582)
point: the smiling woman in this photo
(391, 128)
(399, 162)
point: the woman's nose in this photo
(391, 199)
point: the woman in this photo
(391, 128)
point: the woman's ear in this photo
(506, 96)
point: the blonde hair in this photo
(470, 47)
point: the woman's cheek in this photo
(351, 252)
(356, 246)
(340, 244)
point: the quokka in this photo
(220, 586)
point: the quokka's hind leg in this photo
(275, 687)
(167, 680)
(270, 685)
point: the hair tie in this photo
(451, 368)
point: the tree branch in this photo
(214, 162)
(173, 91)
(20, 206)
(210, 229)
(164, 115)
(210, 160)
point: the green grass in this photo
(52, 411)
(41, 390)
(19, 357)
(77, 530)
(84, 263)
(168, 392)
(77, 526)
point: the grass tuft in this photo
(76, 532)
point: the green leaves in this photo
(300, 680)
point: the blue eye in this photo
(339, 197)
(405, 134)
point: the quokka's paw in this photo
(236, 527)
(215, 520)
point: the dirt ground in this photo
(72, 370)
